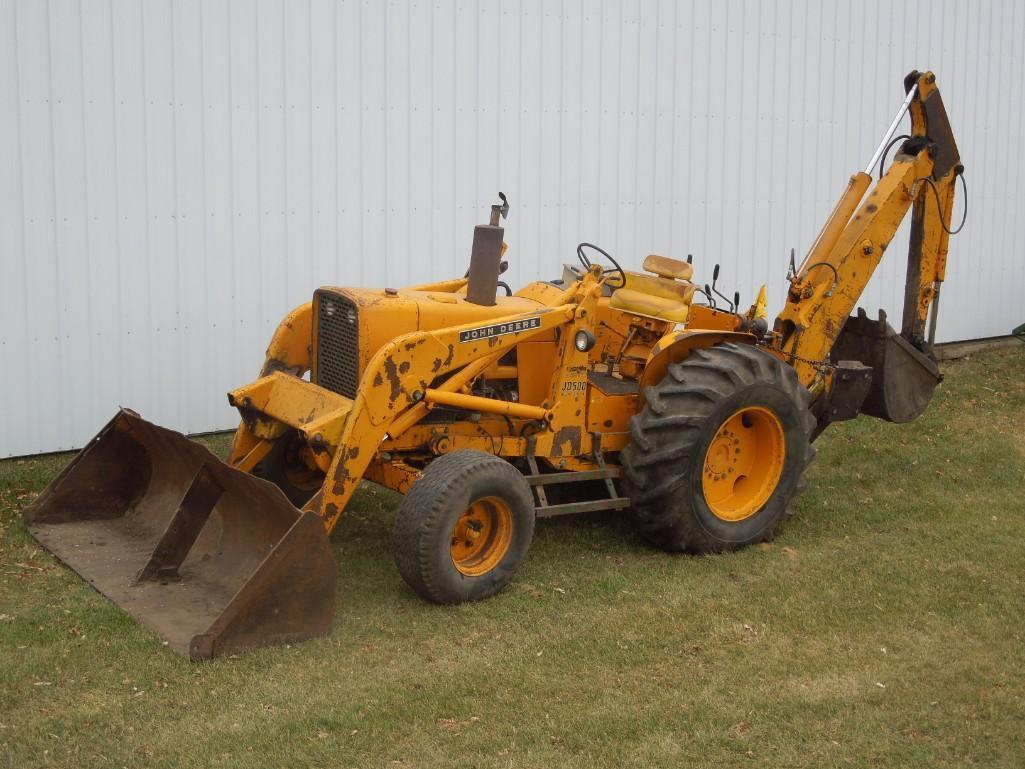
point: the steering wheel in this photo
(616, 268)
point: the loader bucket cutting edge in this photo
(211, 559)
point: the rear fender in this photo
(676, 346)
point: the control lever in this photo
(715, 277)
(708, 296)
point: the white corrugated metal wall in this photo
(176, 174)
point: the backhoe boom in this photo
(827, 286)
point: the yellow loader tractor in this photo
(605, 389)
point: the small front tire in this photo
(464, 527)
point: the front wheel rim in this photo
(743, 463)
(482, 536)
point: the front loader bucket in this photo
(903, 377)
(211, 559)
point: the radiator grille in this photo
(337, 344)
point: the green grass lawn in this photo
(883, 627)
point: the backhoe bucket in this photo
(213, 560)
(903, 377)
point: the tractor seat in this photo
(651, 305)
(666, 267)
(664, 295)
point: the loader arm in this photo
(828, 284)
(394, 393)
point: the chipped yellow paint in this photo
(396, 381)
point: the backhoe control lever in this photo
(715, 277)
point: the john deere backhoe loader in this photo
(605, 389)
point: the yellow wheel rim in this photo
(743, 463)
(481, 536)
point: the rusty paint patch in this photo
(404, 367)
(437, 364)
(331, 510)
(353, 452)
(272, 365)
(872, 208)
(378, 379)
(392, 372)
(570, 435)
(342, 474)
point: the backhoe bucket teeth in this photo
(903, 377)
(211, 559)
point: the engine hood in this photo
(370, 318)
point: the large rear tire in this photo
(718, 450)
(464, 527)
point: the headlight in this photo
(584, 340)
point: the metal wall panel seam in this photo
(22, 255)
(184, 410)
(232, 213)
(153, 380)
(58, 415)
(203, 183)
(88, 397)
(1019, 264)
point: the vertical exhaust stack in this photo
(486, 257)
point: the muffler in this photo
(211, 559)
(903, 377)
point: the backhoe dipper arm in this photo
(931, 217)
(830, 281)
